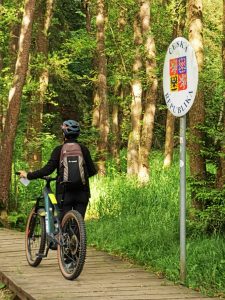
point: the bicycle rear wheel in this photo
(35, 238)
(71, 255)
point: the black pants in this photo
(77, 200)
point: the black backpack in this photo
(72, 165)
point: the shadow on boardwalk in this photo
(104, 277)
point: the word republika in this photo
(181, 108)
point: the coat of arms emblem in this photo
(178, 74)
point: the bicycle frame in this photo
(51, 215)
(51, 207)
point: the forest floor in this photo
(6, 294)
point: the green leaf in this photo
(2, 285)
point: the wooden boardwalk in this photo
(104, 277)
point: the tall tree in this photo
(86, 5)
(102, 88)
(220, 176)
(43, 16)
(115, 132)
(1, 98)
(14, 101)
(96, 102)
(197, 112)
(118, 85)
(14, 39)
(150, 94)
(179, 17)
(96, 97)
(136, 104)
(11, 17)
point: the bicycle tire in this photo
(71, 255)
(35, 238)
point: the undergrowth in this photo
(142, 224)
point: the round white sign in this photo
(180, 77)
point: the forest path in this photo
(104, 277)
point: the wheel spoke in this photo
(35, 238)
(73, 251)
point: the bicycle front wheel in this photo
(72, 253)
(35, 238)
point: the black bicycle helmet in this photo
(71, 128)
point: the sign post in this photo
(180, 81)
(183, 198)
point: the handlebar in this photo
(49, 179)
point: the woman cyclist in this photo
(68, 197)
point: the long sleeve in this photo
(51, 165)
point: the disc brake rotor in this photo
(74, 244)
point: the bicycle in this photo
(44, 228)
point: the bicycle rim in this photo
(72, 254)
(35, 238)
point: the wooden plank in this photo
(104, 277)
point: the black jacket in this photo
(53, 164)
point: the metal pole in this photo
(183, 198)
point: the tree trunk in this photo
(169, 141)
(13, 43)
(178, 28)
(96, 97)
(118, 90)
(197, 112)
(1, 117)
(86, 5)
(35, 122)
(102, 88)
(12, 51)
(151, 94)
(96, 105)
(115, 129)
(115, 146)
(136, 105)
(14, 100)
(180, 18)
(220, 176)
(1, 98)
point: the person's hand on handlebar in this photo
(23, 174)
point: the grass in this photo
(142, 224)
(6, 294)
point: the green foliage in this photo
(72, 75)
(2, 285)
(211, 219)
(70, 14)
(23, 198)
(142, 224)
(212, 82)
(205, 264)
(16, 220)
